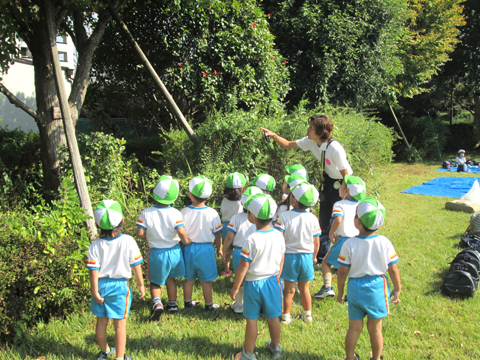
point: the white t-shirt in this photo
(241, 227)
(335, 156)
(114, 257)
(459, 160)
(299, 229)
(264, 251)
(229, 208)
(201, 223)
(346, 209)
(161, 224)
(370, 255)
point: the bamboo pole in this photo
(398, 123)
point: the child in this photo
(238, 229)
(261, 265)
(302, 238)
(290, 182)
(343, 227)
(111, 259)
(264, 182)
(163, 228)
(297, 169)
(203, 226)
(461, 161)
(365, 259)
(231, 206)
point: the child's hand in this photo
(340, 298)
(315, 260)
(141, 288)
(233, 293)
(220, 253)
(97, 298)
(333, 238)
(396, 296)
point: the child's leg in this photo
(188, 289)
(226, 264)
(355, 328)
(327, 274)
(288, 294)
(207, 291)
(275, 329)
(251, 332)
(374, 327)
(171, 289)
(304, 288)
(120, 336)
(101, 333)
(155, 291)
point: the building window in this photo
(25, 53)
(62, 56)
(61, 39)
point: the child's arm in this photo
(239, 276)
(281, 266)
(228, 241)
(316, 244)
(335, 225)
(341, 277)
(397, 286)
(141, 233)
(137, 271)
(218, 242)
(94, 286)
(182, 233)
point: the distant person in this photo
(261, 265)
(203, 226)
(332, 157)
(111, 259)
(461, 161)
(365, 259)
(163, 228)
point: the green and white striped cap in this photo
(236, 180)
(262, 206)
(252, 190)
(200, 186)
(294, 180)
(371, 213)
(356, 187)
(305, 194)
(297, 169)
(166, 190)
(108, 214)
(264, 182)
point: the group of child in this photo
(273, 251)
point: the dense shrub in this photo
(42, 262)
(460, 136)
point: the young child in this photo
(111, 259)
(302, 239)
(297, 169)
(290, 182)
(264, 182)
(343, 227)
(365, 259)
(261, 265)
(163, 228)
(461, 161)
(203, 227)
(238, 229)
(231, 206)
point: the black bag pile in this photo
(461, 280)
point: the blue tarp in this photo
(470, 169)
(444, 186)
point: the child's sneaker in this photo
(345, 301)
(324, 292)
(242, 356)
(125, 357)
(238, 309)
(172, 309)
(226, 273)
(212, 307)
(157, 311)
(112, 351)
(276, 353)
(191, 304)
(287, 321)
(306, 318)
(356, 356)
(104, 355)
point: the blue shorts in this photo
(368, 295)
(165, 263)
(117, 299)
(263, 297)
(334, 252)
(200, 262)
(236, 258)
(225, 232)
(298, 267)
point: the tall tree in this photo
(208, 53)
(84, 21)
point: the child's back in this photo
(161, 224)
(299, 228)
(201, 223)
(346, 209)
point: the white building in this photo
(21, 82)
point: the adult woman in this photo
(328, 151)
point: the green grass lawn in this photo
(425, 325)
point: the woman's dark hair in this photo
(112, 233)
(232, 194)
(323, 126)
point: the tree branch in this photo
(18, 103)
(70, 32)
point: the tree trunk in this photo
(476, 116)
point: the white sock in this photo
(307, 312)
(286, 316)
(239, 297)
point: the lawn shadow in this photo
(436, 282)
